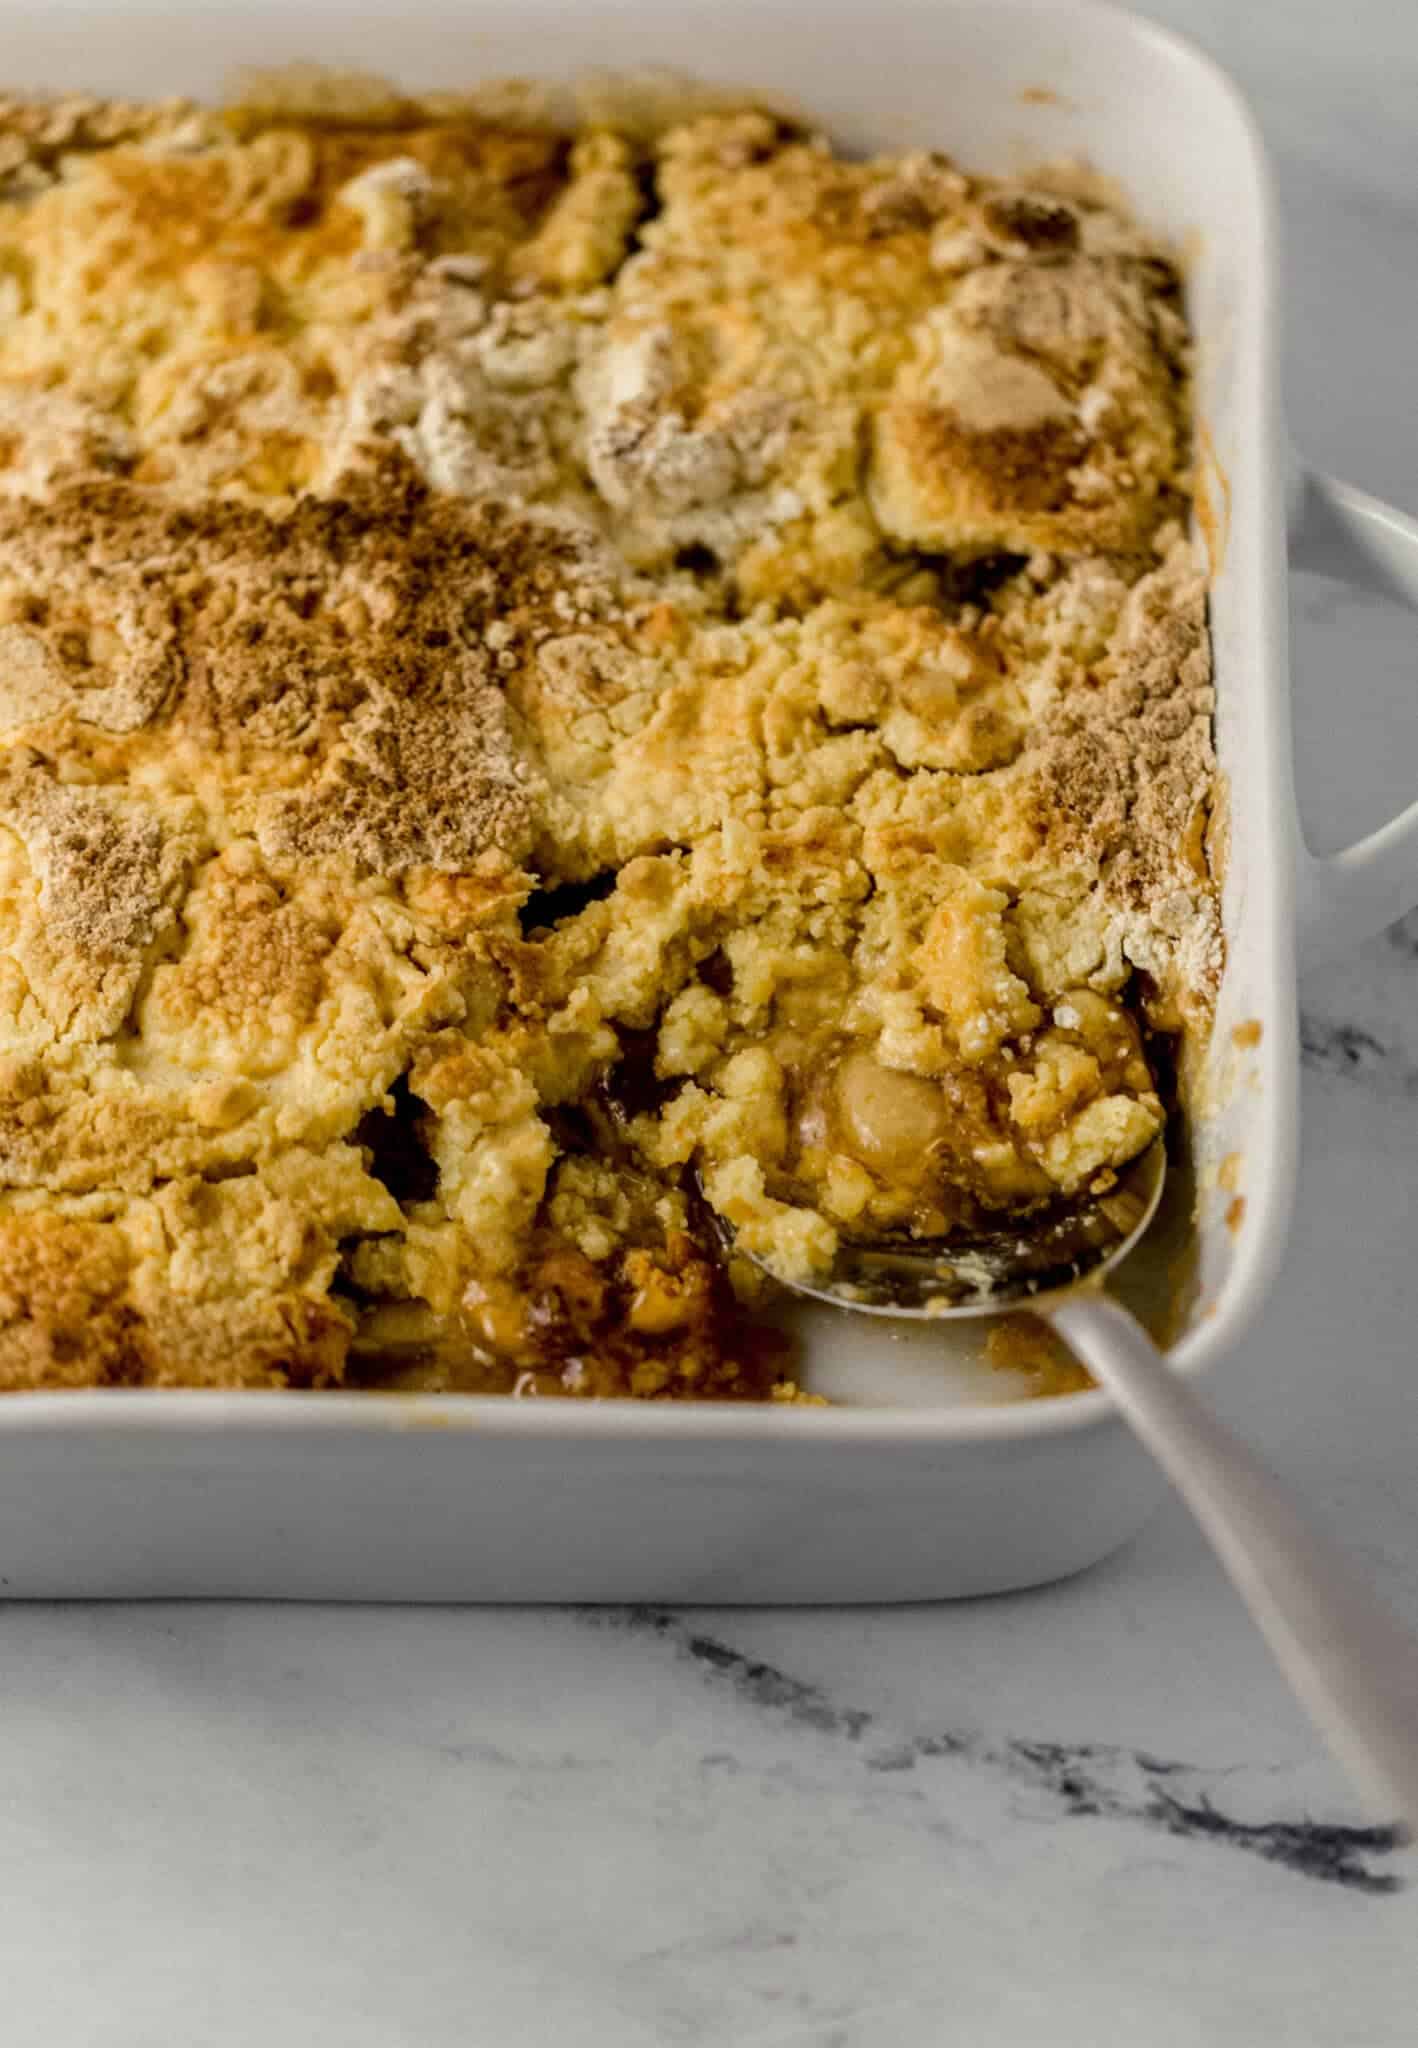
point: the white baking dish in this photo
(918, 1486)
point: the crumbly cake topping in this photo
(552, 686)
(343, 635)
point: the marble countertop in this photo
(1090, 1814)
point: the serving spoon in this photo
(1347, 1659)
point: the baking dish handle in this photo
(1347, 896)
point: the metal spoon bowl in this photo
(998, 1269)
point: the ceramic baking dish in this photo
(925, 1480)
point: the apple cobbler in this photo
(567, 691)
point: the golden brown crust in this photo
(72, 1314)
(344, 634)
(543, 674)
(1038, 410)
(64, 1320)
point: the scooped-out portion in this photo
(572, 692)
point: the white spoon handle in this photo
(1348, 1660)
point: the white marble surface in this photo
(366, 1828)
